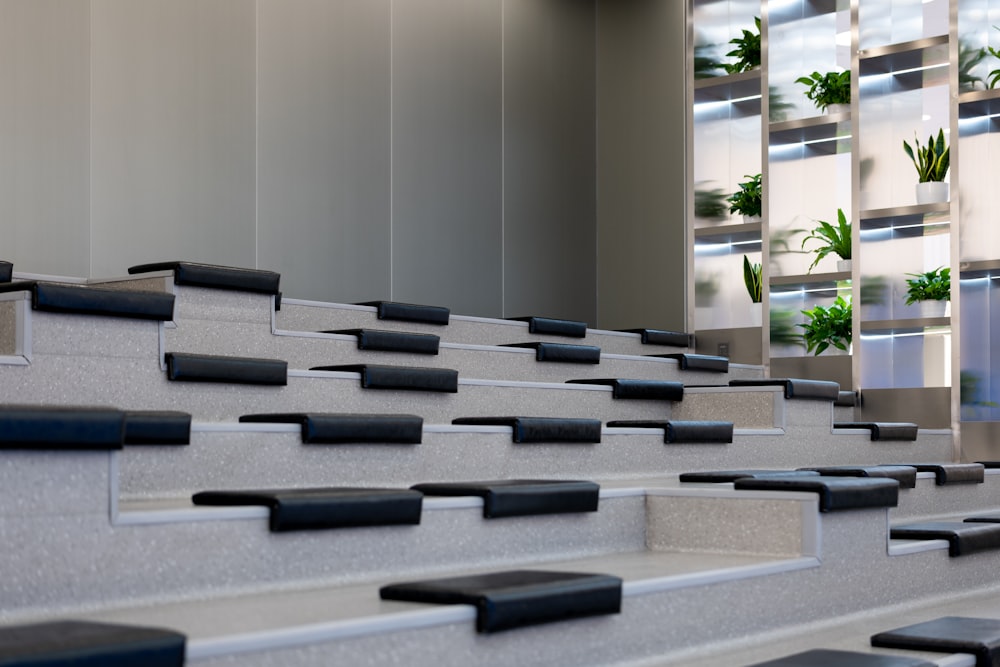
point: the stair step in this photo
(518, 598)
(554, 327)
(953, 473)
(948, 634)
(183, 367)
(392, 341)
(730, 476)
(702, 362)
(338, 428)
(542, 429)
(215, 276)
(407, 378)
(83, 644)
(835, 493)
(6, 272)
(61, 427)
(963, 537)
(157, 427)
(562, 352)
(847, 399)
(884, 430)
(80, 300)
(321, 508)
(687, 432)
(652, 390)
(904, 474)
(409, 312)
(796, 388)
(661, 337)
(522, 497)
(837, 658)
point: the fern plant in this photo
(747, 51)
(828, 327)
(753, 279)
(932, 161)
(836, 240)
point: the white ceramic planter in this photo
(844, 265)
(837, 108)
(935, 308)
(751, 218)
(932, 192)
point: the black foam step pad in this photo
(729, 476)
(409, 312)
(904, 474)
(554, 327)
(661, 337)
(822, 657)
(948, 634)
(217, 277)
(652, 390)
(518, 598)
(88, 644)
(58, 428)
(820, 390)
(953, 473)
(847, 399)
(563, 352)
(684, 432)
(393, 341)
(80, 300)
(6, 272)
(522, 497)
(835, 493)
(989, 465)
(542, 429)
(963, 538)
(406, 378)
(150, 427)
(337, 429)
(697, 362)
(183, 367)
(320, 508)
(884, 430)
(984, 518)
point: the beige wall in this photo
(501, 157)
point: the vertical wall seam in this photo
(392, 164)
(90, 140)
(503, 159)
(256, 135)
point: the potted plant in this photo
(834, 240)
(747, 51)
(710, 204)
(932, 162)
(828, 327)
(747, 200)
(994, 73)
(752, 278)
(829, 92)
(931, 289)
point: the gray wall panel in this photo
(173, 85)
(550, 235)
(323, 156)
(44, 135)
(447, 150)
(640, 167)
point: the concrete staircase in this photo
(711, 573)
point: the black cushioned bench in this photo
(522, 497)
(948, 634)
(409, 312)
(904, 431)
(392, 341)
(835, 493)
(341, 428)
(406, 378)
(730, 476)
(904, 474)
(661, 337)
(214, 276)
(697, 362)
(820, 390)
(953, 473)
(318, 508)
(833, 658)
(61, 427)
(542, 429)
(518, 598)
(963, 537)
(684, 432)
(562, 352)
(87, 644)
(80, 300)
(157, 427)
(6, 272)
(554, 327)
(183, 367)
(650, 390)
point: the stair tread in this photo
(554, 326)
(338, 428)
(835, 493)
(562, 352)
(952, 473)
(60, 427)
(99, 301)
(409, 312)
(215, 276)
(948, 634)
(837, 658)
(795, 387)
(883, 430)
(392, 341)
(522, 497)
(77, 643)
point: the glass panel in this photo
(721, 298)
(884, 22)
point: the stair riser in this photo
(10, 328)
(54, 484)
(928, 500)
(74, 335)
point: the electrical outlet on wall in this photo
(723, 349)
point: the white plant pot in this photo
(747, 219)
(932, 192)
(837, 108)
(756, 314)
(844, 265)
(935, 308)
